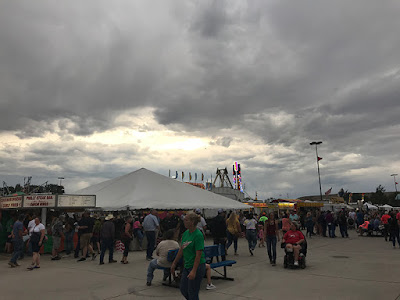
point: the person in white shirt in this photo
(162, 253)
(37, 237)
(31, 224)
(202, 225)
(251, 232)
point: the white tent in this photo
(386, 207)
(144, 189)
(370, 206)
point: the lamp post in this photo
(319, 176)
(395, 183)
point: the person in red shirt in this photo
(385, 218)
(293, 239)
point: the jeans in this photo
(310, 229)
(139, 236)
(220, 241)
(393, 236)
(69, 243)
(271, 247)
(150, 270)
(18, 245)
(190, 288)
(343, 230)
(385, 231)
(251, 236)
(151, 242)
(107, 244)
(332, 228)
(232, 238)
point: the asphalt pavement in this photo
(340, 268)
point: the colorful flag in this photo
(183, 175)
(202, 177)
(319, 158)
(176, 175)
(396, 182)
(169, 174)
(328, 191)
(190, 176)
(195, 176)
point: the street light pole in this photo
(395, 183)
(319, 175)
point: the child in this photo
(261, 235)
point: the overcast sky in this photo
(94, 89)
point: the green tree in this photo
(379, 197)
(18, 188)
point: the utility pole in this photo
(318, 159)
(395, 183)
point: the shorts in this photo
(85, 239)
(56, 242)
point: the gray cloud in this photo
(283, 73)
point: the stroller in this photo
(288, 260)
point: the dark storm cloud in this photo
(76, 61)
(283, 72)
(85, 65)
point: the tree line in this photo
(33, 189)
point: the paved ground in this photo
(354, 268)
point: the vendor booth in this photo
(285, 204)
(44, 205)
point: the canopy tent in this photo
(370, 206)
(144, 189)
(386, 207)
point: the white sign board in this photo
(76, 201)
(40, 201)
(11, 202)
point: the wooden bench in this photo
(218, 252)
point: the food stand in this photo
(44, 205)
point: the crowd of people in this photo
(98, 234)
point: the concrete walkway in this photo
(354, 268)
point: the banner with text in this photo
(11, 202)
(76, 201)
(40, 201)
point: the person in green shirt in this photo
(263, 218)
(191, 248)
